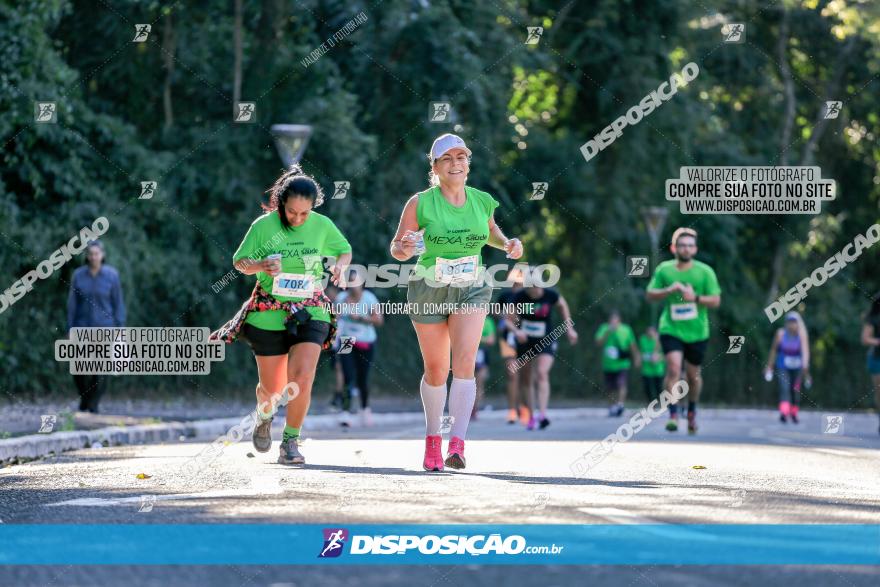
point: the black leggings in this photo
(90, 388)
(653, 386)
(356, 370)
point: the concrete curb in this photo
(35, 446)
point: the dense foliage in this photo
(162, 110)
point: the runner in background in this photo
(619, 351)
(687, 289)
(95, 299)
(335, 365)
(359, 315)
(535, 322)
(482, 365)
(790, 356)
(871, 339)
(507, 345)
(653, 365)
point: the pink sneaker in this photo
(433, 453)
(455, 453)
(531, 424)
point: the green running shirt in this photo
(615, 353)
(686, 321)
(300, 247)
(452, 232)
(647, 346)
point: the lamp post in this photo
(291, 141)
(655, 220)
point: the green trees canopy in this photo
(162, 110)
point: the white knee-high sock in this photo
(462, 395)
(433, 400)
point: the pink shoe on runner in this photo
(433, 453)
(455, 454)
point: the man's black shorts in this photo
(265, 343)
(694, 352)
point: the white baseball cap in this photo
(445, 143)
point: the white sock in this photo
(462, 395)
(433, 400)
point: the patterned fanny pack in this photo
(263, 301)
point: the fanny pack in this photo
(262, 301)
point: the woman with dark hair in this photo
(871, 339)
(447, 225)
(95, 299)
(287, 320)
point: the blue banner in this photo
(243, 544)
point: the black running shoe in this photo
(262, 436)
(783, 419)
(289, 454)
(544, 423)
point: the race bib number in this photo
(612, 352)
(293, 285)
(792, 362)
(533, 328)
(686, 311)
(455, 270)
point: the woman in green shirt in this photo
(653, 363)
(447, 225)
(286, 321)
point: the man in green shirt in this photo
(688, 288)
(653, 364)
(619, 350)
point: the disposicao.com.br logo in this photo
(476, 545)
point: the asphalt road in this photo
(757, 471)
